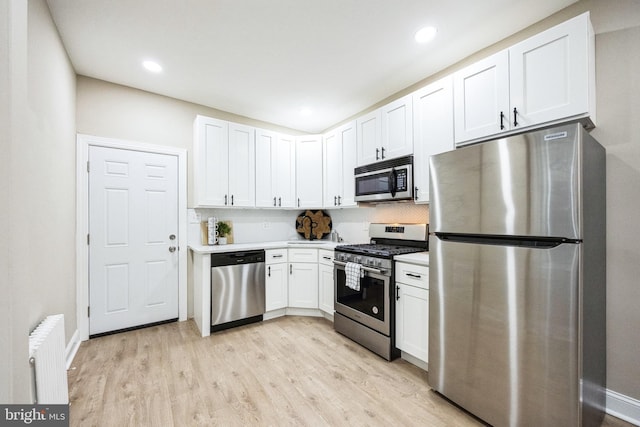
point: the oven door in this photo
(370, 305)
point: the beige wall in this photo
(40, 198)
(114, 111)
(14, 368)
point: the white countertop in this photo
(418, 258)
(316, 244)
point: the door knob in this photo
(172, 237)
(172, 248)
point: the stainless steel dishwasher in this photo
(237, 289)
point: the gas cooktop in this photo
(388, 240)
(379, 250)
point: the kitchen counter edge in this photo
(233, 247)
(417, 258)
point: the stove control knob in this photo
(379, 263)
(357, 259)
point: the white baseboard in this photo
(72, 349)
(624, 407)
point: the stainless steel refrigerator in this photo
(517, 278)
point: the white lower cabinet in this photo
(412, 310)
(276, 271)
(325, 281)
(303, 278)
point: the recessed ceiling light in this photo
(306, 111)
(152, 66)
(425, 35)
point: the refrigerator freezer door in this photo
(525, 185)
(503, 335)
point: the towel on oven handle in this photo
(353, 272)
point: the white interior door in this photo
(133, 229)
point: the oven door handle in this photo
(369, 269)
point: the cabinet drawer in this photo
(274, 256)
(325, 257)
(303, 255)
(415, 275)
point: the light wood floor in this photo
(287, 371)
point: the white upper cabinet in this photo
(224, 163)
(552, 75)
(386, 133)
(481, 94)
(275, 170)
(397, 128)
(545, 79)
(309, 171)
(369, 134)
(339, 152)
(242, 169)
(284, 171)
(432, 129)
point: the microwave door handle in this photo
(393, 178)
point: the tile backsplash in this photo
(266, 225)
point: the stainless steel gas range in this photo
(364, 285)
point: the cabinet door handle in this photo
(397, 293)
(277, 256)
(274, 202)
(377, 154)
(515, 117)
(290, 268)
(279, 201)
(501, 120)
(335, 201)
(225, 200)
(339, 200)
(415, 276)
(269, 271)
(232, 200)
(415, 194)
(382, 153)
(298, 201)
(328, 258)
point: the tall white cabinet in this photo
(309, 171)
(547, 78)
(224, 155)
(339, 159)
(275, 170)
(432, 130)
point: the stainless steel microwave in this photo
(385, 181)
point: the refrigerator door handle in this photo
(522, 241)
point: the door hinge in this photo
(88, 311)
(87, 166)
(87, 239)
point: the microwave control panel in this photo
(401, 180)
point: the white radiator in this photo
(47, 358)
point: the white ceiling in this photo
(268, 59)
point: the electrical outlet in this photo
(266, 225)
(193, 216)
